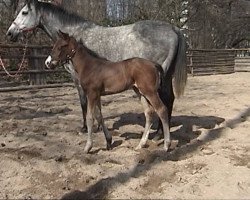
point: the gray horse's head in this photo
(27, 20)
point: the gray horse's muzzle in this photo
(13, 33)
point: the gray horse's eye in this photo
(25, 13)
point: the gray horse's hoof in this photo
(84, 129)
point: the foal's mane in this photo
(66, 17)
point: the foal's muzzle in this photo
(51, 64)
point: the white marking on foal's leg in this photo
(90, 123)
(148, 111)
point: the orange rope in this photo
(21, 65)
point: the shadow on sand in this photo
(101, 189)
(184, 128)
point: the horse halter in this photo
(69, 57)
(26, 29)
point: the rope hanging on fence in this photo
(21, 65)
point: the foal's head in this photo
(63, 50)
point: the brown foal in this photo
(99, 77)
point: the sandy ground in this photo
(42, 155)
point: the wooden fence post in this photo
(36, 63)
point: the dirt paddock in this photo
(42, 155)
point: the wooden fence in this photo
(218, 61)
(200, 62)
(242, 64)
(33, 66)
(207, 62)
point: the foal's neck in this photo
(85, 59)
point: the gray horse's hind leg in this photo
(166, 91)
(167, 96)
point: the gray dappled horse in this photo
(154, 40)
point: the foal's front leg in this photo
(92, 99)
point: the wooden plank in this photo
(11, 56)
(30, 87)
(242, 69)
(35, 72)
(242, 64)
(19, 46)
(213, 65)
(213, 70)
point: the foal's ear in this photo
(63, 35)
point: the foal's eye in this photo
(25, 13)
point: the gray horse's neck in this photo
(51, 23)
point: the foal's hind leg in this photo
(162, 112)
(149, 112)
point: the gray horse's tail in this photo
(180, 75)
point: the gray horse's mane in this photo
(91, 52)
(65, 16)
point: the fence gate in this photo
(208, 62)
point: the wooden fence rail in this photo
(34, 66)
(200, 61)
(207, 62)
(242, 64)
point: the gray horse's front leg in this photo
(83, 100)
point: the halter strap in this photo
(69, 57)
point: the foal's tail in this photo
(180, 64)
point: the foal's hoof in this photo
(139, 147)
(165, 149)
(167, 146)
(87, 148)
